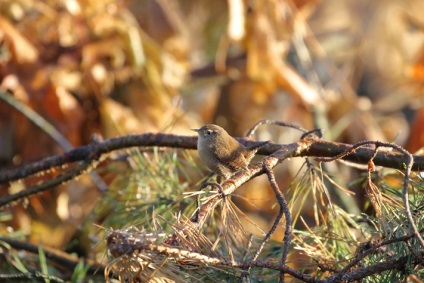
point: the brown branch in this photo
(120, 245)
(284, 208)
(282, 202)
(360, 273)
(363, 155)
(317, 148)
(44, 186)
(84, 152)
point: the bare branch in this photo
(317, 148)
(407, 164)
(120, 244)
(252, 131)
(83, 153)
(361, 254)
(45, 185)
(283, 209)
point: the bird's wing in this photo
(234, 161)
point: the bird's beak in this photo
(196, 130)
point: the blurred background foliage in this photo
(353, 68)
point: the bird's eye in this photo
(209, 132)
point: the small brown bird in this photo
(222, 153)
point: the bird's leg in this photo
(213, 184)
(211, 174)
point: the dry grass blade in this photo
(374, 195)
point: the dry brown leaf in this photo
(23, 51)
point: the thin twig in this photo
(202, 186)
(317, 148)
(361, 273)
(373, 248)
(45, 185)
(326, 149)
(419, 257)
(277, 219)
(252, 131)
(283, 209)
(317, 132)
(408, 164)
